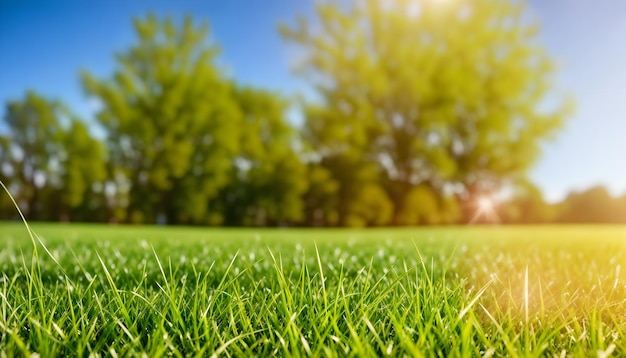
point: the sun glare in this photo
(485, 211)
(485, 204)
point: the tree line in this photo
(421, 112)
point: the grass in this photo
(484, 291)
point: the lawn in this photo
(479, 291)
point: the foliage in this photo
(428, 92)
(48, 157)
(268, 178)
(320, 199)
(371, 207)
(527, 206)
(170, 119)
(422, 109)
(422, 206)
(83, 163)
(594, 205)
(191, 146)
(360, 199)
(29, 147)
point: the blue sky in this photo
(43, 45)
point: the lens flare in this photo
(485, 211)
(485, 204)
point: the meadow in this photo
(92, 290)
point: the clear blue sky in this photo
(43, 44)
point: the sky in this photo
(45, 43)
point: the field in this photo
(480, 291)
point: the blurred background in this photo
(302, 113)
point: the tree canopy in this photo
(594, 205)
(451, 95)
(422, 109)
(268, 178)
(186, 144)
(170, 118)
(48, 157)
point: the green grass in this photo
(126, 291)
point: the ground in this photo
(474, 291)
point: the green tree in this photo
(268, 178)
(594, 205)
(82, 167)
(527, 206)
(171, 122)
(320, 199)
(29, 148)
(423, 206)
(371, 207)
(360, 199)
(48, 158)
(448, 94)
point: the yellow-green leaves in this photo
(438, 89)
(171, 121)
(50, 157)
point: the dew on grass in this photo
(386, 289)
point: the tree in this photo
(30, 146)
(170, 118)
(527, 206)
(268, 178)
(594, 205)
(422, 206)
(371, 207)
(320, 199)
(49, 158)
(82, 167)
(360, 199)
(621, 209)
(446, 94)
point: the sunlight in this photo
(485, 210)
(414, 7)
(485, 204)
(441, 2)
